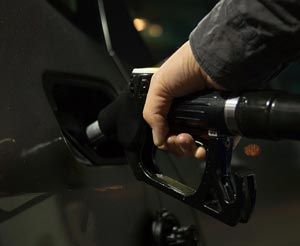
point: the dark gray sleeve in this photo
(243, 43)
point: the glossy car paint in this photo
(50, 196)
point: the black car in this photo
(64, 60)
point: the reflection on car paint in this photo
(5, 140)
(38, 147)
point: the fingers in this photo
(180, 75)
(155, 112)
(173, 147)
(184, 145)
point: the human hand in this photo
(180, 75)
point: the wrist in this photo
(197, 69)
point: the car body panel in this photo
(50, 196)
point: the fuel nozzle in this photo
(224, 193)
(259, 114)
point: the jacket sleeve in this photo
(243, 43)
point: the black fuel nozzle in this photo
(270, 115)
(225, 194)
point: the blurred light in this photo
(140, 24)
(252, 150)
(155, 30)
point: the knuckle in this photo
(154, 77)
(148, 116)
(145, 114)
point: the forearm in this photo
(241, 44)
